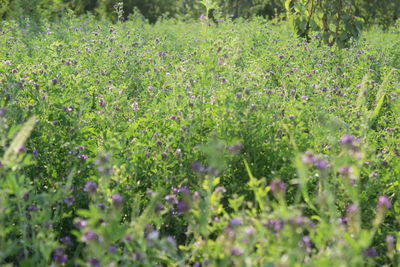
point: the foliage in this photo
(335, 21)
(188, 144)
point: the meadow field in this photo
(198, 143)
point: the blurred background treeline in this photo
(381, 12)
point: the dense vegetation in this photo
(382, 12)
(197, 144)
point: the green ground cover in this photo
(196, 144)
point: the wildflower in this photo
(102, 103)
(352, 209)
(171, 199)
(384, 203)
(90, 236)
(198, 167)
(90, 187)
(370, 252)
(277, 187)
(234, 148)
(305, 242)
(183, 206)
(94, 262)
(390, 240)
(235, 222)
(66, 240)
(347, 140)
(308, 157)
(321, 164)
(69, 200)
(112, 249)
(178, 152)
(58, 256)
(32, 208)
(236, 251)
(275, 224)
(345, 171)
(67, 109)
(80, 223)
(117, 200)
(220, 189)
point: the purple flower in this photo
(83, 157)
(90, 236)
(81, 223)
(128, 238)
(345, 171)
(321, 164)
(198, 167)
(234, 148)
(389, 240)
(2, 111)
(171, 199)
(94, 262)
(178, 152)
(69, 200)
(67, 109)
(220, 189)
(102, 103)
(183, 206)
(275, 225)
(370, 252)
(32, 208)
(112, 249)
(66, 240)
(347, 140)
(277, 186)
(352, 209)
(384, 203)
(236, 251)
(305, 242)
(90, 187)
(58, 256)
(117, 200)
(54, 81)
(308, 157)
(235, 222)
